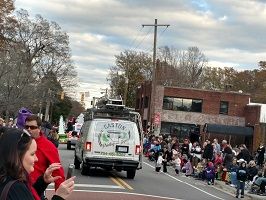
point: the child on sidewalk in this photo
(241, 175)
(159, 162)
(187, 168)
(210, 173)
(177, 163)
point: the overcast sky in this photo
(230, 33)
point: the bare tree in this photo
(181, 68)
(6, 9)
(35, 49)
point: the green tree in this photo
(130, 70)
(61, 108)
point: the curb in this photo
(228, 189)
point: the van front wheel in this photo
(131, 173)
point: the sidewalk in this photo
(220, 185)
(227, 188)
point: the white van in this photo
(110, 142)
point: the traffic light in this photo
(62, 96)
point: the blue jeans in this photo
(233, 178)
(240, 186)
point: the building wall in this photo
(210, 107)
(239, 113)
(211, 99)
(252, 115)
(201, 119)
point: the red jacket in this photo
(47, 154)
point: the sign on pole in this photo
(157, 118)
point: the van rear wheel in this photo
(68, 146)
(85, 169)
(131, 173)
(76, 163)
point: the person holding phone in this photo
(18, 156)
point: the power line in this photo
(134, 40)
(143, 39)
(160, 34)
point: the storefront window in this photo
(182, 104)
(177, 104)
(179, 130)
(168, 103)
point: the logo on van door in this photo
(113, 133)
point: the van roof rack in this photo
(111, 113)
(110, 108)
(110, 103)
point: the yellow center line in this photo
(124, 183)
(116, 182)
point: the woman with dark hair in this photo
(17, 150)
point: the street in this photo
(147, 184)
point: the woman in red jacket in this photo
(17, 150)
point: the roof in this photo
(228, 130)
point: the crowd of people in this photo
(209, 161)
(29, 162)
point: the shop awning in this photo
(228, 130)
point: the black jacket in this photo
(241, 173)
(244, 153)
(208, 152)
(261, 151)
(19, 190)
(252, 171)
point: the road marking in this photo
(117, 182)
(124, 183)
(51, 186)
(112, 192)
(120, 181)
(186, 183)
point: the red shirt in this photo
(47, 154)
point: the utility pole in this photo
(153, 85)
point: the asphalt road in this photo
(147, 184)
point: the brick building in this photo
(201, 114)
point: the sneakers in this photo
(242, 196)
(236, 196)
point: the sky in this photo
(231, 33)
